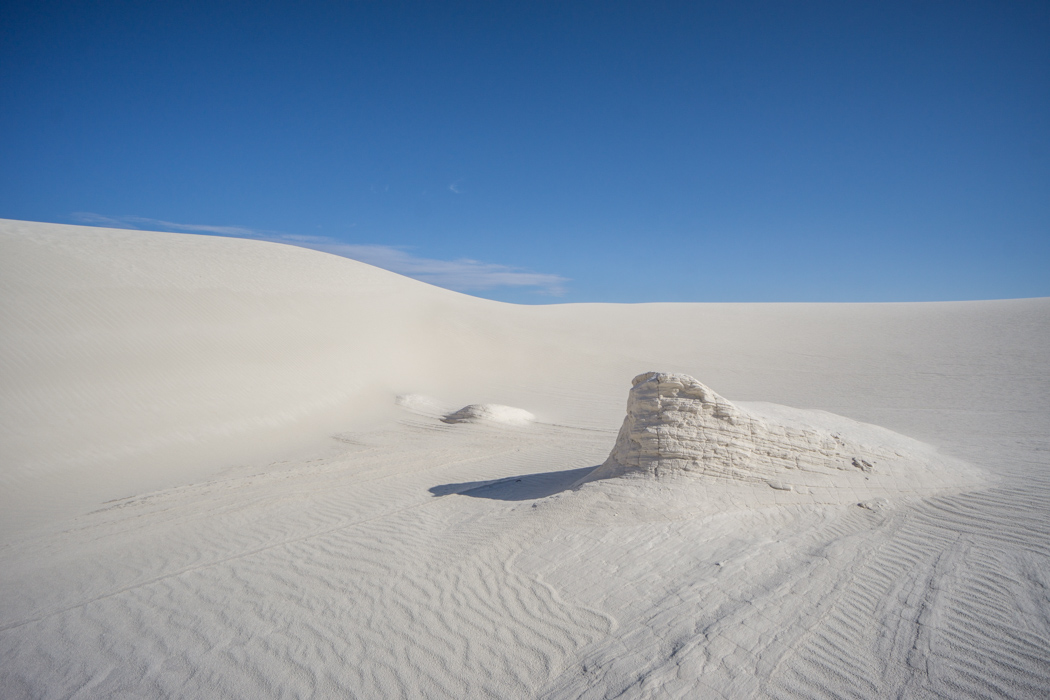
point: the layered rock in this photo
(676, 425)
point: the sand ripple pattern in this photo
(365, 589)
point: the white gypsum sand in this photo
(211, 488)
(490, 413)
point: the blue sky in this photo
(553, 152)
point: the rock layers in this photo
(676, 425)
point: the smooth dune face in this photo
(225, 472)
(147, 357)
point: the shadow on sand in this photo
(516, 488)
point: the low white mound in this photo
(490, 413)
(676, 426)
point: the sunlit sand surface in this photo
(238, 469)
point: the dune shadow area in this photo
(526, 487)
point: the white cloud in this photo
(462, 275)
(141, 222)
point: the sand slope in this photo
(209, 489)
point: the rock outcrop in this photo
(676, 425)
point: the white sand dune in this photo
(211, 488)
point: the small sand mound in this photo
(490, 413)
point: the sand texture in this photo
(233, 468)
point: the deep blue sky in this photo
(782, 151)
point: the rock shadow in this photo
(527, 487)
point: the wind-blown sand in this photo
(232, 468)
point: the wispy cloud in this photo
(141, 222)
(462, 275)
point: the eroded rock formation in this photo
(675, 424)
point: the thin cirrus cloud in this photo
(462, 275)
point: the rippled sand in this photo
(210, 489)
